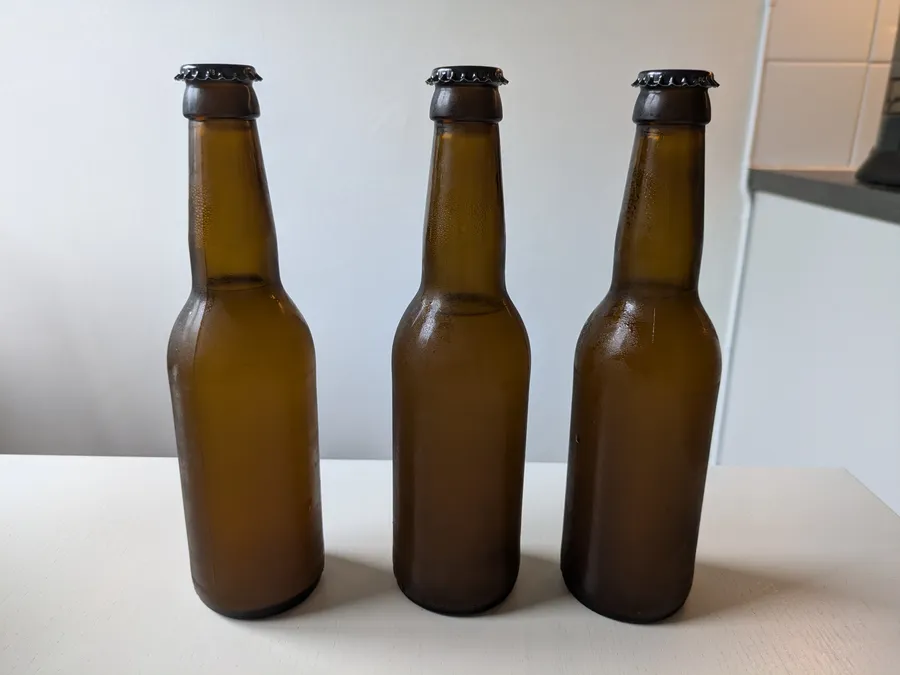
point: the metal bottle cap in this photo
(661, 79)
(467, 75)
(218, 72)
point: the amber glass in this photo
(647, 369)
(461, 365)
(242, 376)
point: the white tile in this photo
(821, 30)
(807, 114)
(870, 112)
(885, 30)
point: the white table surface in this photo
(798, 572)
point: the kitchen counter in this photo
(833, 189)
(798, 572)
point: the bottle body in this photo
(241, 366)
(460, 367)
(242, 379)
(646, 381)
(460, 402)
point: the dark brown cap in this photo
(218, 72)
(661, 79)
(451, 75)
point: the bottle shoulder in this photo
(229, 322)
(459, 308)
(629, 323)
(434, 318)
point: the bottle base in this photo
(617, 616)
(474, 611)
(263, 612)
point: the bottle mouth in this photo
(675, 79)
(218, 72)
(467, 75)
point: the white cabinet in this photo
(815, 373)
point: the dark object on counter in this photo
(647, 370)
(461, 367)
(882, 166)
(242, 372)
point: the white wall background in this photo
(825, 390)
(93, 199)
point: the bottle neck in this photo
(232, 234)
(465, 240)
(660, 237)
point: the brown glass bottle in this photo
(461, 367)
(242, 372)
(647, 369)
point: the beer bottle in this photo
(461, 366)
(647, 369)
(242, 372)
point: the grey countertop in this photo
(833, 189)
